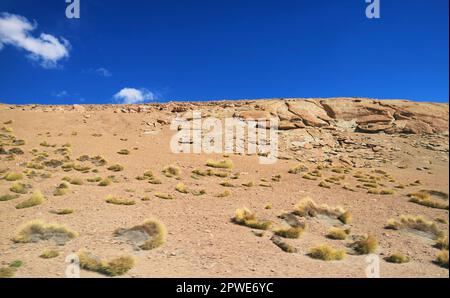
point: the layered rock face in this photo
(349, 114)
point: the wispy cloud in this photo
(103, 72)
(60, 94)
(132, 96)
(46, 49)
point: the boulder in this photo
(311, 112)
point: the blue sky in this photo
(224, 49)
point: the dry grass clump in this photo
(181, 188)
(7, 272)
(46, 144)
(276, 178)
(13, 176)
(171, 171)
(307, 207)
(290, 232)
(115, 168)
(61, 190)
(37, 198)
(8, 197)
(154, 232)
(224, 194)
(442, 243)
(35, 231)
(247, 218)
(397, 258)
(338, 233)
(367, 245)
(114, 267)
(227, 184)
(64, 211)
(324, 184)
(124, 152)
(425, 199)
(385, 192)
(49, 254)
(164, 196)
(105, 182)
(416, 223)
(298, 169)
(94, 179)
(308, 176)
(19, 188)
(118, 201)
(286, 247)
(76, 181)
(248, 184)
(221, 164)
(326, 253)
(34, 165)
(442, 259)
(200, 192)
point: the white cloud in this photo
(132, 95)
(63, 93)
(103, 72)
(46, 49)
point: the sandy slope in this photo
(201, 240)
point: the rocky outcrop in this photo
(344, 114)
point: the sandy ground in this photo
(202, 241)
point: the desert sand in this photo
(367, 156)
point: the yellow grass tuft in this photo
(222, 164)
(245, 217)
(286, 247)
(7, 272)
(76, 181)
(171, 171)
(224, 194)
(114, 267)
(290, 232)
(424, 198)
(61, 189)
(118, 201)
(442, 259)
(8, 197)
(105, 182)
(154, 229)
(37, 198)
(365, 246)
(337, 233)
(397, 258)
(115, 168)
(442, 243)
(298, 169)
(164, 196)
(49, 254)
(13, 176)
(307, 207)
(181, 188)
(124, 152)
(38, 230)
(326, 253)
(415, 222)
(64, 211)
(19, 188)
